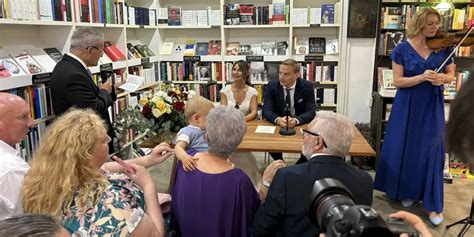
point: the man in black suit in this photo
(326, 141)
(71, 81)
(292, 94)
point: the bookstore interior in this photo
(343, 48)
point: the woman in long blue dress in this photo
(412, 157)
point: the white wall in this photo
(359, 78)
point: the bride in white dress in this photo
(242, 96)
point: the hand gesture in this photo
(271, 170)
(438, 79)
(160, 153)
(281, 121)
(428, 75)
(107, 86)
(189, 163)
(292, 122)
(413, 220)
(141, 176)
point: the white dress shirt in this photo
(12, 171)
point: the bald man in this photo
(15, 122)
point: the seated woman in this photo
(70, 179)
(215, 199)
(242, 96)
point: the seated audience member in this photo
(36, 225)
(326, 141)
(15, 122)
(70, 179)
(190, 139)
(215, 199)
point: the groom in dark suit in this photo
(290, 93)
(71, 81)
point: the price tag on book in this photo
(192, 58)
(106, 67)
(316, 58)
(145, 60)
(254, 58)
(41, 78)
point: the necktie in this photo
(288, 101)
(89, 71)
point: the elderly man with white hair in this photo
(326, 142)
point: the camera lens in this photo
(330, 199)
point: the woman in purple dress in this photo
(412, 156)
(216, 199)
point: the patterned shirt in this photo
(120, 209)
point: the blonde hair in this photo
(418, 21)
(197, 105)
(292, 63)
(61, 169)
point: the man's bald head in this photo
(15, 119)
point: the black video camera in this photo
(332, 208)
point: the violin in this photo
(443, 40)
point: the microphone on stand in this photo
(286, 131)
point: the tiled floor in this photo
(457, 196)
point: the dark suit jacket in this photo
(284, 211)
(274, 101)
(72, 85)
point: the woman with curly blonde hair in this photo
(70, 179)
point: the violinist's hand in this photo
(439, 79)
(428, 75)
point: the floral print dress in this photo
(120, 209)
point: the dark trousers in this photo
(279, 156)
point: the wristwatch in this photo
(266, 183)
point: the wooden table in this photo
(291, 144)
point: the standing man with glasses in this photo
(71, 81)
(292, 96)
(326, 141)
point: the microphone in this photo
(286, 131)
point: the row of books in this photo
(328, 13)
(38, 98)
(45, 10)
(138, 50)
(248, 14)
(175, 16)
(190, 71)
(191, 48)
(325, 95)
(315, 45)
(17, 62)
(318, 72)
(266, 48)
(29, 145)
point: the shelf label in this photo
(254, 58)
(41, 78)
(315, 25)
(192, 58)
(141, 26)
(106, 67)
(317, 58)
(145, 60)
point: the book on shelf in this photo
(387, 78)
(167, 48)
(327, 13)
(162, 17)
(202, 17)
(301, 46)
(10, 65)
(247, 14)
(278, 16)
(271, 71)
(214, 47)
(202, 48)
(315, 16)
(268, 48)
(188, 18)
(317, 45)
(332, 46)
(179, 49)
(232, 14)
(3, 70)
(232, 48)
(299, 16)
(54, 53)
(214, 17)
(174, 15)
(113, 52)
(204, 72)
(43, 59)
(132, 52)
(392, 39)
(257, 71)
(256, 49)
(282, 48)
(26, 62)
(190, 49)
(244, 49)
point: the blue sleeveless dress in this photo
(412, 156)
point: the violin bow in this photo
(455, 49)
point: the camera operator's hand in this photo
(413, 220)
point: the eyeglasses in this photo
(314, 134)
(94, 47)
(236, 106)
